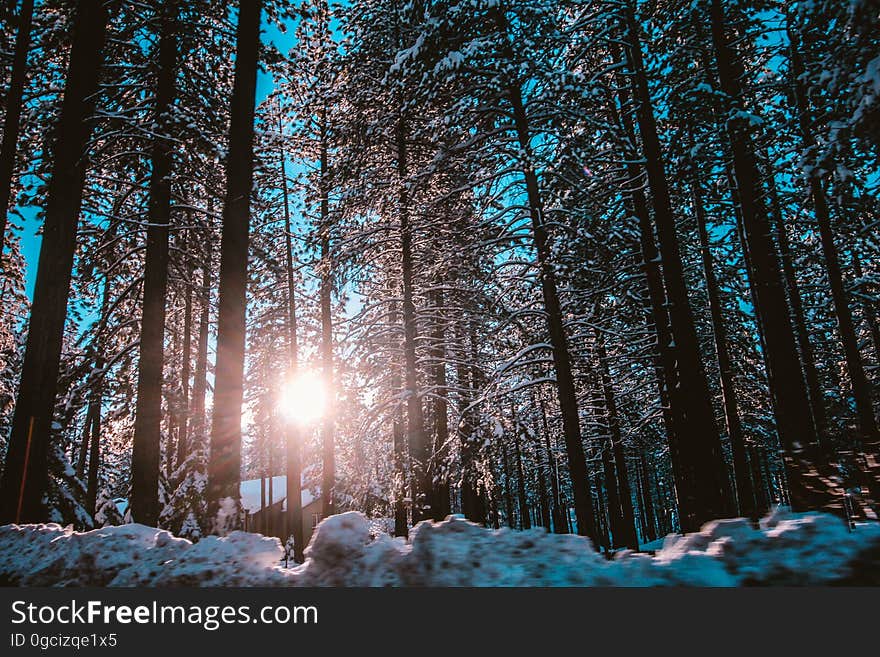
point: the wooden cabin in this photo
(271, 520)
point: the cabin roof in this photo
(250, 493)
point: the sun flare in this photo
(303, 397)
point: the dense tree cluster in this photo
(602, 267)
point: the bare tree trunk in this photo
(628, 536)
(605, 521)
(200, 376)
(568, 405)
(95, 444)
(702, 483)
(399, 446)
(657, 318)
(271, 495)
(92, 430)
(224, 466)
(798, 318)
(647, 499)
(186, 355)
(416, 438)
(25, 475)
(328, 427)
(557, 515)
(793, 412)
(146, 448)
(84, 445)
(612, 497)
(507, 493)
(762, 500)
(565, 386)
(263, 513)
(546, 518)
(441, 507)
(524, 520)
(744, 489)
(471, 502)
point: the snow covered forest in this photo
(601, 267)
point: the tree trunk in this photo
(507, 493)
(146, 447)
(293, 438)
(224, 466)
(657, 317)
(524, 520)
(175, 410)
(604, 520)
(749, 271)
(612, 498)
(84, 445)
(263, 514)
(577, 464)
(641, 516)
(471, 501)
(556, 512)
(762, 500)
(418, 448)
(565, 386)
(271, 493)
(744, 489)
(609, 503)
(647, 499)
(753, 296)
(861, 389)
(492, 504)
(92, 432)
(200, 376)
(629, 536)
(95, 443)
(25, 476)
(14, 99)
(328, 425)
(441, 507)
(793, 412)
(186, 356)
(702, 483)
(798, 318)
(546, 518)
(399, 444)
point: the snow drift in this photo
(784, 549)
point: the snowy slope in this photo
(789, 549)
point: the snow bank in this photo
(785, 549)
(133, 555)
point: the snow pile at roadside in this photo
(133, 555)
(789, 549)
(786, 548)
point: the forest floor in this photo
(783, 549)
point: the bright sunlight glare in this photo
(303, 397)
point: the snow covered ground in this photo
(786, 549)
